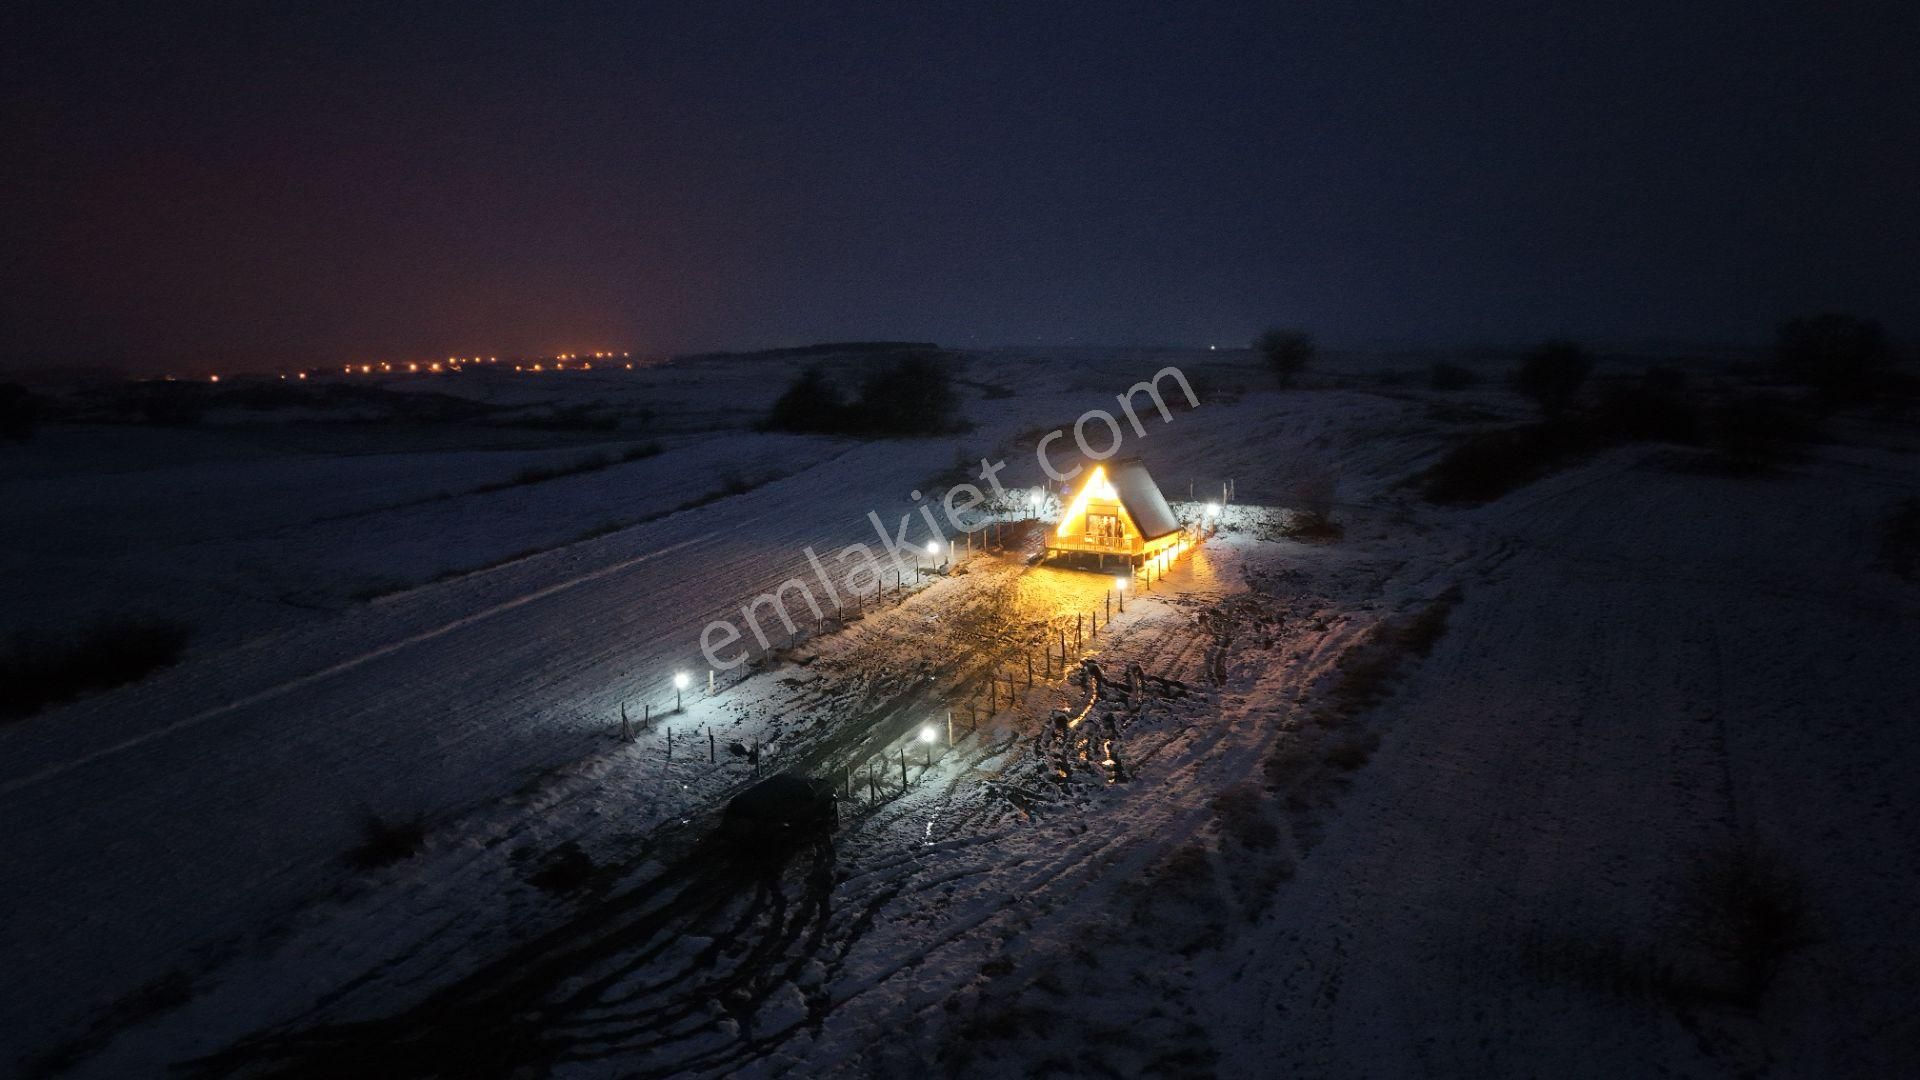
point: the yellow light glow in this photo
(1096, 486)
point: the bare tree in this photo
(1287, 352)
(1552, 374)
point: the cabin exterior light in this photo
(1118, 511)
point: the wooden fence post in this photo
(903, 767)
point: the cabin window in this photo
(1104, 528)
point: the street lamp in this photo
(928, 736)
(1120, 583)
(680, 682)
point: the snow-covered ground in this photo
(1460, 874)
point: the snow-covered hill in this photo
(1346, 856)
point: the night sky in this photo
(327, 182)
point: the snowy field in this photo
(1423, 800)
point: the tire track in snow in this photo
(342, 667)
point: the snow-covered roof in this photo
(1141, 496)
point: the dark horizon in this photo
(317, 187)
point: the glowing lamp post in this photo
(1120, 584)
(928, 736)
(680, 682)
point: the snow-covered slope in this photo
(1463, 871)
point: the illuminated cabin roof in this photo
(1133, 487)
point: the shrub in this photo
(1287, 352)
(1746, 907)
(1243, 819)
(1838, 354)
(41, 670)
(812, 403)
(1657, 407)
(1353, 751)
(383, 842)
(1448, 377)
(1551, 375)
(1491, 463)
(1314, 495)
(567, 868)
(911, 395)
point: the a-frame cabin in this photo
(1118, 511)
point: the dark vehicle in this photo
(781, 809)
